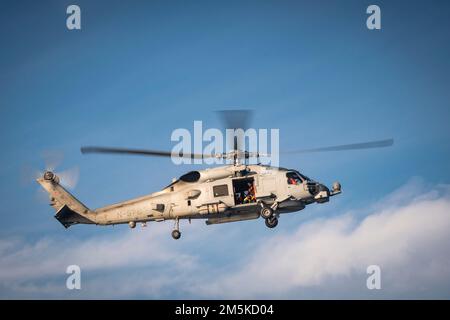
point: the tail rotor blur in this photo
(68, 178)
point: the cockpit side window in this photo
(293, 178)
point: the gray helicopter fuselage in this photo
(197, 200)
(223, 194)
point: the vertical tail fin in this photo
(69, 210)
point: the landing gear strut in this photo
(269, 215)
(176, 234)
(271, 222)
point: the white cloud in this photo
(410, 243)
(30, 268)
(406, 234)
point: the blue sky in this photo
(135, 72)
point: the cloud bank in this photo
(410, 243)
(406, 234)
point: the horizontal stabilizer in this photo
(68, 217)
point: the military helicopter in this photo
(235, 192)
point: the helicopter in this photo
(235, 192)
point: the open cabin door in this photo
(244, 191)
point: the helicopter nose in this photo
(323, 193)
(323, 188)
(315, 187)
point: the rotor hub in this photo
(48, 175)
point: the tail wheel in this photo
(176, 234)
(271, 222)
(266, 212)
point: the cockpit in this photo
(296, 178)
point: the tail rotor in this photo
(53, 160)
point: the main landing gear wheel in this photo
(271, 222)
(266, 212)
(176, 234)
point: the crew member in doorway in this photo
(250, 197)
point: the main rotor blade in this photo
(353, 146)
(157, 153)
(236, 119)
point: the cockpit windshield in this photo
(303, 176)
(295, 178)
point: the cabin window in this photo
(192, 176)
(220, 191)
